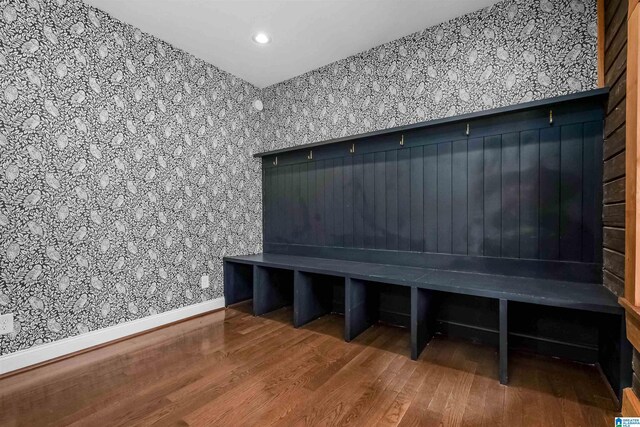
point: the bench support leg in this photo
(503, 349)
(360, 308)
(271, 290)
(615, 353)
(309, 302)
(422, 320)
(238, 282)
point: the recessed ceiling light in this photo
(261, 38)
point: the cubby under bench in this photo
(508, 310)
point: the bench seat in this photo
(578, 295)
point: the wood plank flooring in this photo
(232, 369)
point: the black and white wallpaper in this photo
(125, 172)
(512, 52)
(125, 164)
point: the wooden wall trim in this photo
(632, 214)
(632, 321)
(630, 403)
(601, 43)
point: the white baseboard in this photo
(41, 353)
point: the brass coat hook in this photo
(275, 162)
(352, 149)
(467, 131)
(550, 117)
(310, 156)
(402, 140)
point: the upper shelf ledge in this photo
(595, 93)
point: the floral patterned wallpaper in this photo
(125, 164)
(512, 52)
(125, 172)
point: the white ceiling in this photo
(306, 34)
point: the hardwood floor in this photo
(230, 368)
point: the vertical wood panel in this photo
(312, 185)
(632, 134)
(591, 197)
(273, 195)
(304, 204)
(550, 193)
(529, 193)
(417, 197)
(379, 201)
(338, 202)
(459, 195)
(296, 214)
(267, 219)
(348, 202)
(391, 202)
(492, 196)
(280, 202)
(510, 165)
(368, 207)
(475, 187)
(444, 197)
(320, 199)
(404, 200)
(571, 192)
(289, 202)
(430, 198)
(601, 52)
(329, 209)
(358, 201)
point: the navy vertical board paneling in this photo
(417, 209)
(459, 195)
(391, 205)
(368, 206)
(267, 219)
(338, 202)
(525, 189)
(529, 193)
(596, 139)
(430, 198)
(475, 191)
(444, 197)
(272, 193)
(358, 201)
(281, 205)
(571, 192)
(329, 209)
(321, 238)
(347, 217)
(404, 199)
(297, 204)
(510, 199)
(312, 174)
(591, 198)
(492, 196)
(379, 201)
(550, 192)
(289, 203)
(304, 204)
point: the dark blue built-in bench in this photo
(485, 226)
